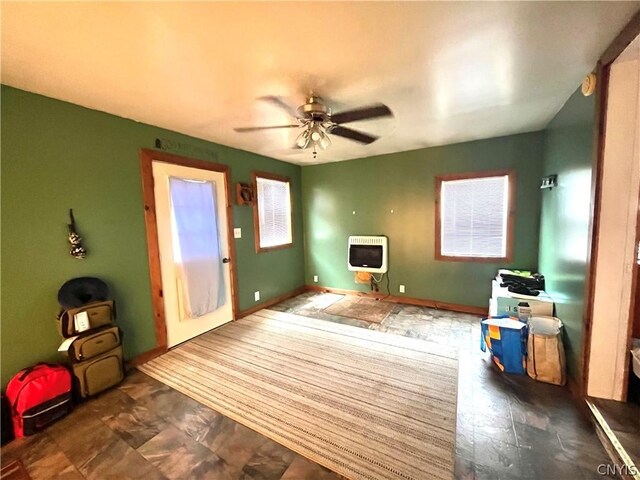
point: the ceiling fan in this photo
(318, 122)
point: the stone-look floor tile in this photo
(237, 444)
(465, 442)
(168, 404)
(585, 453)
(534, 438)
(530, 415)
(270, 462)
(178, 456)
(463, 469)
(135, 424)
(495, 424)
(302, 469)
(534, 466)
(494, 458)
(96, 450)
(42, 458)
(218, 432)
(193, 418)
(138, 385)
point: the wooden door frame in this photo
(147, 157)
(603, 73)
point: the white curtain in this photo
(197, 246)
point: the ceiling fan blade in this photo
(253, 129)
(353, 135)
(364, 113)
(280, 103)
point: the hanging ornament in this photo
(77, 250)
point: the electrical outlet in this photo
(237, 233)
(315, 279)
(401, 288)
(256, 296)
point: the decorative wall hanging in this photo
(77, 250)
(185, 148)
(244, 194)
(589, 84)
(549, 182)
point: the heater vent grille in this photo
(367, 254)
(377, 240)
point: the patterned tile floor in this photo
(508, 426)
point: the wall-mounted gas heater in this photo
(368, 254)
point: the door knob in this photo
(226, 260)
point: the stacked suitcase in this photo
(93, 346)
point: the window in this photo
(272, 212)
(474, 216)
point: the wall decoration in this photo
(185, 149)
(77, 250)
(549, 182)
(589, 84)
(245, 194)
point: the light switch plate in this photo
(315, 279)
(401, 288)
(237, 233)
(256, 296)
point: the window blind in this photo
(274, 212)
(473, 217)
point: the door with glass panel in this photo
(194, 259)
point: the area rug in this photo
(365, 404)
(361, 308)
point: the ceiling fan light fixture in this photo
(318, 121)
(325, 141)
(303, 139)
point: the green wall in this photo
(404, 182)
(564, 227)
(57, 156)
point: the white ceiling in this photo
(451, 72)
(631, 53)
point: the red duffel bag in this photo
(39, 396)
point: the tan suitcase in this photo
(98, 373)
(99, 314)
(93, 344)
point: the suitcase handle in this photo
(27, 371)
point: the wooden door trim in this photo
(603, 72)
(147, 157)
